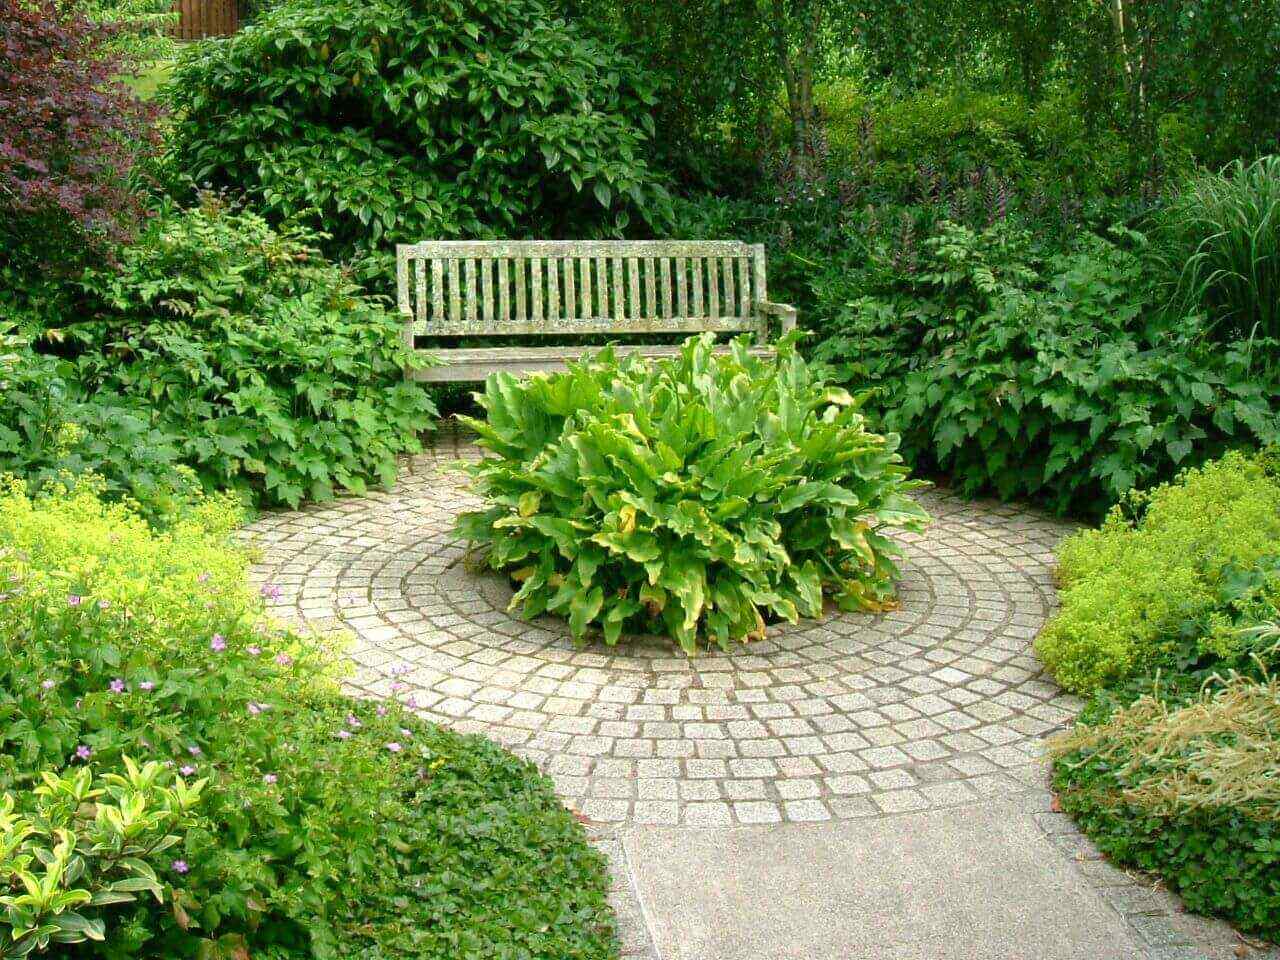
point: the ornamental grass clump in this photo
(701, 496)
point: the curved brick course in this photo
(937, 703)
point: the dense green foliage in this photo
(267, 367)
(400, 121)
(1035, 370)
(694, 496)
(1162, 558)
(328, 828)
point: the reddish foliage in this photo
(70, 132)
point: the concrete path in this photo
(852, 786)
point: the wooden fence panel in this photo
(198, 19)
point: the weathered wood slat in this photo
(713, 287)
(455, 292)
(726, 270)
(504, 292)
(519, 278)
(744, 286)
(463, 249)
(602, 284)
(486, 291)
(584, 265)
(633, 287)
(619, 304)
(466, 364)
(570, 293)
(593, 325)
(682, 294)
(535, 292)
(695, 308)
(553, 291)
(664, 287)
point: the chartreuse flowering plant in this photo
(699, 496)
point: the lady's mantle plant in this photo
(698, 496)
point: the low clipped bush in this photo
(1168, 578)
(266, 366)
(327, 828)
(401, 121)
(697, 496)
(1185, 786)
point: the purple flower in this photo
(194, 750)
(343, 734)
(218, 643)
(411, 702)
(74, 600)
(179, 866)
(382, 710)
(284, 659)
(253, 649)
(394, 747)
(48, 684)
(117, 685)
(147, 685)
(398, 685)
(257, 708)
(269, 778)
(271, 592)
(84, 752)
(353, 721)
(186, 769)
(406, 733)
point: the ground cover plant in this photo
(1163, 557)
(696, 496)
(323, 828)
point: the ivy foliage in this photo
(695, 496)
(398, 120)
(266, 365)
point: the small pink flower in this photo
(382, 710)
(406, 733)
(84, 752)
(284, 659)
(180, 866)
(271, 592)
(257, 708)
(147, 685)
(74, 600)
(103, 604)
(218, 643)
(186, 769)
(394, 747)
(398, 685)
(203, 578)
(117, 685)
(269, 778)
(253, 649)
(343, 734)
(194, 750)
(411, 702)
(48, 684)
(353, 721)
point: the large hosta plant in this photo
(701, 496)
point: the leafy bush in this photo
(50, 431)
(1221, 248)
(695, 495)
(1186, 788)
(70, 132)
(328, 828)
(1041, 372)
(1163, 558)
(266, 365)
(398, 121)
(98, 847)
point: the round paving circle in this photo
(939, 702)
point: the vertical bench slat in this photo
(518, 278)
(713, 287)
(504, 293)
(682, 295)
(553, 289)
(570, 294)
(761, 291)
(420, 290)
(486, 287)
(455, 291)
(437, 291)
(744, 287)
(584, 270)
(535, 290)
(650, 288)
(469, 290)
(695, 308)
(664, 284)
(619, 304)
(726, 268)
(633, 286)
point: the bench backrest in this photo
(554, 287)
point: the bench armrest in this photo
(783, 311)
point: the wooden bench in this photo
(576, 288)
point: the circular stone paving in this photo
(939, 702)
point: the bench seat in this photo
(464, 364)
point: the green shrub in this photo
(1186, 788)
(1221, 249)
(693, 496)
(400, 121)
(49, 430)
(1038, 371)
(269, 368)
(328, 828)
(1164, 559)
